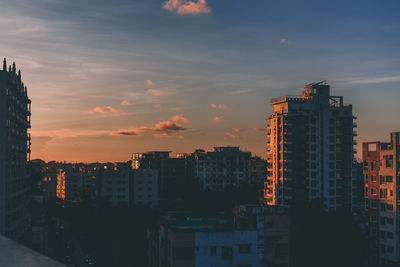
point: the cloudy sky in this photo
(108, 78)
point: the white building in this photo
(226, 249)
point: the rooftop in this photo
(13, 254)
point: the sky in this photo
(109, 78)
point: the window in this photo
(389, 179)
(373, 204)
(213, 251)
(373, 218)
(244, 248)
(373, 178)
(227, 253)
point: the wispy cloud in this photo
(180, 118)
(149, 83)
(252, 130)
(187, 7)
(157, 106)
(373, 80)
(229, 135)
(240, 92)
(161, 129)
(219, 118)
(104, 110)
(215, 106)
(156, 92)
(127, 103)
(283, 41)
(69, 133)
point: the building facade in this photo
(174, 173)
(75, 184)
(382, 179)
(310, 150)
(222, 169)
(15, 115)
(122, 186)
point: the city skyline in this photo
(111, 79)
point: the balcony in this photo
(13, 254)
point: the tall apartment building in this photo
(310, 150)
(382, 196)
(222, 169)
(15, 119)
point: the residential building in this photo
(122, 186)
(201, 242)
(382, 179)
(174, 173)
(75, 184)
(222, 169)
(310, 150)
(15, 121)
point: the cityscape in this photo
(132, 149)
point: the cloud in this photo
(157, 106)
(179, 118)
(104, 110)
(160, 129)
(215, 106)
(374, 80)
(149, 83)
(229, 135)
(127, 103)
(283, 41)
(240, 92)
(218, 119)
(187, 7)
(69, 133)
(124, 133)
(253, 130)
(156, 92)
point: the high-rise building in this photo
(382, 179)
(15, 118)
(310, 150)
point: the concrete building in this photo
(15, 121)
(201, 242)
(310, 150)
(145, 188)
(174, 173)
(382, 179)
(75, 184)
(122, 186)
(222, 169)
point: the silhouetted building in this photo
(310, 150)
(76, 184)
(174, 173)
(15, 119)
(382, 179)
(122, 186)
(222, 169)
